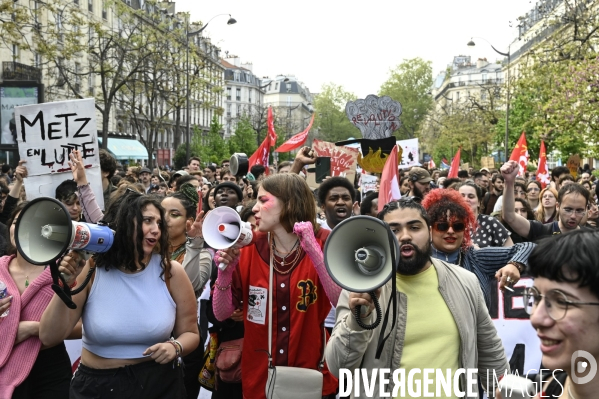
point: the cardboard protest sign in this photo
(343, 160)
(465, 166)
(368, 183)
(573, 165)
(46, 135)
(487, 162)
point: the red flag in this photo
(272, 135)
(520, 154)
(260, 157)
(543, 170)
(296, 141)
(455, 165)
(389, 190)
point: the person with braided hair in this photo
(186, 246)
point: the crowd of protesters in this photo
(159, 313)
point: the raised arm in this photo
(91, 209)
(305, 232)
(14, 195)
(305, 156)
(518, 223)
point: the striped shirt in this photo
(485, 262)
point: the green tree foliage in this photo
(212, 148)
(330, 118)
(409, 83)
(244, 139)
(556, 93)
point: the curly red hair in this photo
(437, 202)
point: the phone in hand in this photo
(323, 168)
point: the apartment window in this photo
(228, 93)
(483, 95)
(238, 94)
(457, 95)
(59, 27)
(484, 78)
(90, 85)
(276, 86)
(250, 95)
(104, 11)
(90, 5)
(228, 109)
(239, 110)
(15, 52)
(37, 60)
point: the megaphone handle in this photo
(377, 308)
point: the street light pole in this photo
(507, 83)
(189, 34)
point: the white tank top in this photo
(127, 313)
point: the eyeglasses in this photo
(570, 211)
(444, 226)
(533, 189)
(556, 302)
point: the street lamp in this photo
(507, 103)
(189, 34)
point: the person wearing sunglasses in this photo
(452, 221)
(563, 304)
(442, 322)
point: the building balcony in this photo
(12, 70)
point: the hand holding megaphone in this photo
(71, 265)
(363, 301)
(223, 229)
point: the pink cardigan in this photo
(16, 361)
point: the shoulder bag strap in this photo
(270, 277)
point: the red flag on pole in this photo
(272, 135)
(260, 157)
(389, 190)
(520, 154)
(543, 170)
(455, 165)
(296, 141)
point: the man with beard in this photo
(495, 191)
(419, 180)
(572, 203)
(442, 324)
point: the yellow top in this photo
(432, 340)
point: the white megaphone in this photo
(223, 228)
(361, 255)
(44, 232)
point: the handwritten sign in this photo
(368, 183)
(343, 160)
(410, 153)
(46, 135)
(376, 117)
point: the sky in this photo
(355, 43)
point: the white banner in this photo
(46, 135)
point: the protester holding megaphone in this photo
(25, 364)
(140, 313)
(442, 321)
(288, 243)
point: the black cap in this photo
(145, 170)
(230, 185)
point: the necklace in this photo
(175, 254)
(286, 254)
(282, 264)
